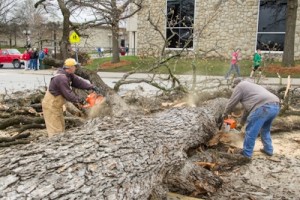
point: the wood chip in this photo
(173, 196)
(206, 165)
(296, 140)
(274, 159)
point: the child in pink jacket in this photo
(26, 58)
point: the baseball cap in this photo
(236, 81)
(70, 62)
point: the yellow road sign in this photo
(74, 38)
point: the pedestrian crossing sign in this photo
(74, 38)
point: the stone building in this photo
(214, 26)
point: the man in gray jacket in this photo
(260, 109)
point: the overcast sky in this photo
(76, 17)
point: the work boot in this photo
(243, 159)
(266, 153)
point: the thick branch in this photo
(107, 158)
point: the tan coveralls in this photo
(53, 113)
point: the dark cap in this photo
(236, 81)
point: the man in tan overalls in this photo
(58, 92)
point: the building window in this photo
(179, 26)
(271, 25)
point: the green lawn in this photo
(213, 67)
(98, 61)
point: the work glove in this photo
(239, 127)
(224, 116)
(220, 120)
(82, 101)
(98, 90)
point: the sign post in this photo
(74, 39)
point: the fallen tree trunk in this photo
(285, 123)
(20, 119)
(10, 139)
(125, 157)
(114, 101)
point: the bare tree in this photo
(111, 12)
(289, 43)
(67, 7)
(5, 7)
(6, 18)
(29, 18)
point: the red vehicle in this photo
(12, 56)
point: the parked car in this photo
(12, 56)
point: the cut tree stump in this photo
(125, 157)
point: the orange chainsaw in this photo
(93, 99)
(228, 123)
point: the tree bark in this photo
(125, 157)
(20, 119)
(289, 42)
(115, 32)
(114, 101)
(66, 29)
(115, 43)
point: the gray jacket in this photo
(251, 96)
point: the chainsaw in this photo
(93, 99)
(228, 123)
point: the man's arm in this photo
(234, 100)
(80, 83)
(244, 118)
(66, 91)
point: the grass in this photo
(212, 67)
(215, 67)
(98, 61)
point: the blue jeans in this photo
(259, 121)
(34, 64)
(30, 66)
(232, 68)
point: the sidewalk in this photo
(119, 75)
(265, 80)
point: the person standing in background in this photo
(41, 58)
(256, 62)
(30, 65)
(26, 58)
(127, 50)
(46, 51)
(35, 57)
(234, 63)
(99, 49)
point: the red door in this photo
(4, 57)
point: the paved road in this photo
(12, 80)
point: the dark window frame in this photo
(180, 24)
(271, 25)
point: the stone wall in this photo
(149, 40)
(220, 25)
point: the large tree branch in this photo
(108, 158)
